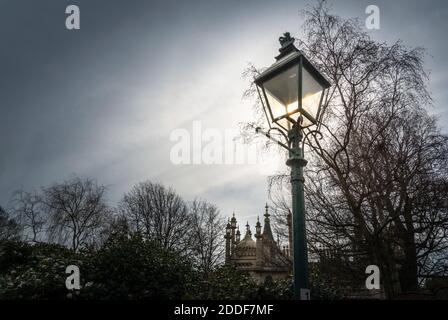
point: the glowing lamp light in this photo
(292, 89)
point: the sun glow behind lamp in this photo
(291, 92)
(292, 89)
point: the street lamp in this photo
(291, 92)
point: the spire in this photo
(233, 236)
(228, 238)
(248, 232)
(258, 228)
(233, 221)
(238, 234)
(248, 228)
(267, 232)
(228, 230)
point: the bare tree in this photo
(29, 211)
(207, 228)
(377, 178)
(159, 214)
(77, 211)
(116, 226)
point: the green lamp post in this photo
(291, 92)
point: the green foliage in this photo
(224, 283)
(323, 286)
(127, 267)
(34, 272)
(124, 268)
(438, 287)
(281, 289)
(13, 254)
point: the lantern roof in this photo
(288, 57)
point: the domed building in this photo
(261, 258)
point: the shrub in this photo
(225, 283)
(131, 268)
(35, 271)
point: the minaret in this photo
(268, 239)
(238, 235)
(248, 232)
(267, 232)
(232, 234)
(259, 243)
(258, 229)
(248, 235)
(228, 237)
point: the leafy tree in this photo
(129, 267)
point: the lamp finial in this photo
(286, 39)
(287, 45)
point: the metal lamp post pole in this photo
(300, 252)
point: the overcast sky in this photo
(102, 101)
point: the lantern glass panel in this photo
(311, 95)
(282, 92)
